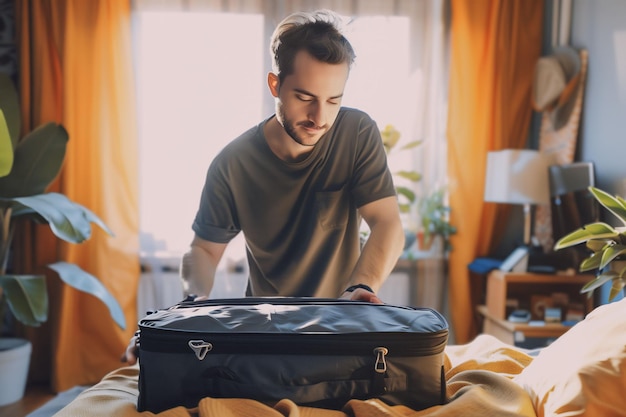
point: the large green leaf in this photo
(612, 252)
(591, 263)
(37, 161)
(6, 147)
(598, 244)
(68, 220)
(77, 278)
(597, 230)
(27, 297)
(599, 281)
(10, 105)
(617, 277)
(613, 204)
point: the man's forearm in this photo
(197, 272)
(379, 255)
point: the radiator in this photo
(160, 285)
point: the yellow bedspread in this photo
(581, 374)
(478, 375)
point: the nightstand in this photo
(507, 291)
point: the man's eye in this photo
(304, 98)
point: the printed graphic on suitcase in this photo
(316, 352)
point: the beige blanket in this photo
(478, 382)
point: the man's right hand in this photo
(132, 350)
(197, 272)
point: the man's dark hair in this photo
(317, 32)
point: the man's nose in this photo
(317, 114)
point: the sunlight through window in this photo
(200, 84)
(201, 81)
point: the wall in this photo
(600, 27)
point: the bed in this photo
(583, 373)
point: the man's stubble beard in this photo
(290, 129)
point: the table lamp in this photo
(518, 176)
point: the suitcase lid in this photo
(294, 315)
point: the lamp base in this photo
(517, 261)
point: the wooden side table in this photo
(520, 334)
(509, 290)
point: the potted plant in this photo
(606, 243)
(406, 196)
(27, 167)
(434, 219)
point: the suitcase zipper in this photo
(189, 303)
(381, 365)
(158, 340)
(200, 348)
(161, 339)
(378, 386)
(380, 369)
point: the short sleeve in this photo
(372, 179)
(216, 217)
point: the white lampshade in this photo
(517, 176)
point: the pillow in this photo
(583, 372)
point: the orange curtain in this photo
(494, 47)
(76, 63)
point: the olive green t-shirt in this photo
(299, 220)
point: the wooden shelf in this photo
(507, 291)
(516, 333)
(503, 286)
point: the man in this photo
(298, 184)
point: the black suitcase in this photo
(316, 352)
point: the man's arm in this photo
(197, 272)
(382, 249)
(199, 265)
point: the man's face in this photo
(308, 101)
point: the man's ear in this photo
(273, 83)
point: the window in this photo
(200, 84)
(202, 81)
(381, 82)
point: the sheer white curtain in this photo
(399, 78)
